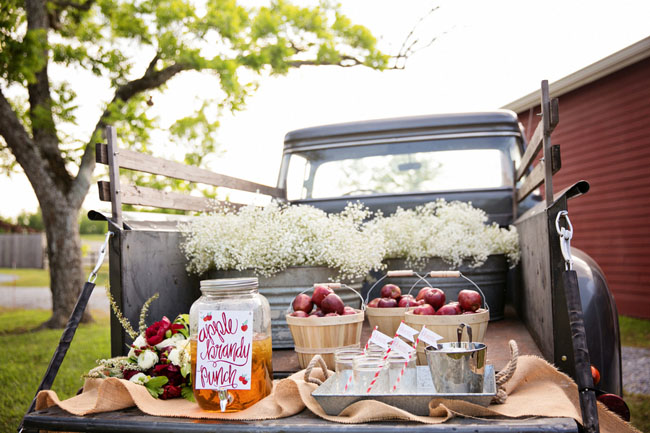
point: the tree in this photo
(108, 38)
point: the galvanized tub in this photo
(281, 288)
(491, 277)
(416, 401)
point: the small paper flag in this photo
(398, 345)
(380, 339)
(429, 337)
(407, 332)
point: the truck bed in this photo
(286, 362)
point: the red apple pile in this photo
(391, 297)
(469, 301)
(326, 303)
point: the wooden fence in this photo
(23, 250)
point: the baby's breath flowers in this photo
(269, 239)
(455, 231)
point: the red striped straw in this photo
(348, 383)
(374, 379)
(403, 370)
(365, 349)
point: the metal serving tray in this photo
(417, 402)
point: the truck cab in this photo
(472, 157)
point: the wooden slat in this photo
(112, 151)
(536, 177)
(533, 181)
(536, 140)
(151, 164)
(143, 196)
(534, 145)
(547, 119)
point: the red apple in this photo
(407, 301)
(424, 310)
(435, 298)
(302, 302)
(349, 310)
(391, 291)
(447, 310)
(317, 313)
(374, 303)
(421, 293)
(332, 304)
(320, 292)
(469, 312)
(299, 314)
(332, 314)
(387, 303)
(470, 300)
(456, 305)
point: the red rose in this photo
(170, 391)
(156, 332)
(128, 374)
(171, 372)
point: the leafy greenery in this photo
(27, 353)
(110, 39)
(634, 332)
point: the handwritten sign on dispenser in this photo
(224, 350)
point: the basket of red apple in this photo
(443, 317)
(387, 311)
(321, 323)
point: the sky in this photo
(486, 54)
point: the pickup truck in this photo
(478, 157)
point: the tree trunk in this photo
(64, 255)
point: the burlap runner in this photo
(536, 389)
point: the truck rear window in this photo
(421, 166)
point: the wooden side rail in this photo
(150, 164)
(541, 140)
(110, 154)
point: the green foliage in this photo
(32, 220)
(88, 227)
(111, 38)
(26, 355)
(155, 384)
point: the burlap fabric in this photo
(536, 389)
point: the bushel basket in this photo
(324, 335)
(387, 320)
(447, 326)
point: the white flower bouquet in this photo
(456, 232)
(269, 239)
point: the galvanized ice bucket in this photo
(457, 367)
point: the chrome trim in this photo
(402, 140)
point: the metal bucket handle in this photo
(403, 273)
(459, 332)
(331, 286)
(452, 274)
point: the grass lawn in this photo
(41, 277)
(26, 354)
(93, 238)
(634, 332)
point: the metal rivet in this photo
(563, 357)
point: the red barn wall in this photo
(604, 135)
